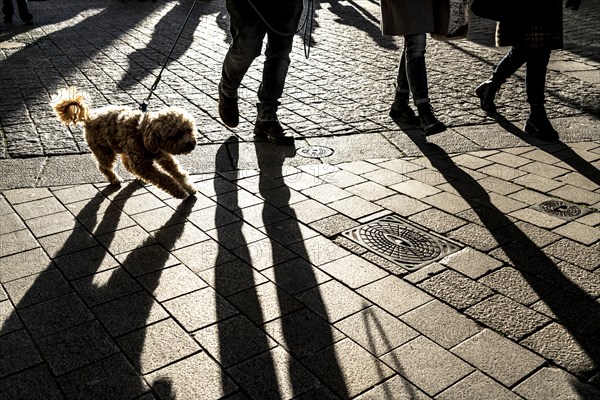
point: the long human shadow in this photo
(270, 161)
(559, 150)
(573, 308)
(230, 278)
(164, 38)
(356, 16)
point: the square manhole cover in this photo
(402, 242)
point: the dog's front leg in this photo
(171, 166)
(149, 173)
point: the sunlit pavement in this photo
(461, 266)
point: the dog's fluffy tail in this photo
(70, 106)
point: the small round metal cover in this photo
(561, 209)
(314, 152)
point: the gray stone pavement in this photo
(255, 287)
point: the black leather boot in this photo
(228, 109)
(487, 93)
(538, 125)
(429, 124)
(401, 111)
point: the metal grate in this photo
(402, 242)
(562, 209)
(314, 152)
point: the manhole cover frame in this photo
(445, 246)
(315, 151)
(552, 206)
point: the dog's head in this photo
(171, 130)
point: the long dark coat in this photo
(537, 24)
(410, 17)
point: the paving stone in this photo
(147, 259)
(76, 347)
(232, 277)
(157, 218)
(576, 179)
(289, 232)
(9, 321)
(303, 332)
(319, 250)
(507, 317)
(11, 222)
(112, 377)
(530, 197)
(230, 236)
(51, 316)
(138, 203)
(396, 388)
(37, 288)
(67, 242)
(487, 217)
(557, 384)
(171, 282)
(23, 264)
(477, 386)
(403, 205)
(326, 193)
(105, 286)
(537, 218)
(333, 225)
(503, 172)
(538, 183)
(302, 181)
(423, 273)
(455, 289)
(522, 231)
(34, 383)
(370, 191)
(157, 345)
(358, 167)
(234, 340)
(471, 263)
(394, 295)
(355, 207)
(284, 196)
(384, 263)
(470, 161)
(273, 375)
(343, 179)
(477, 237)
(522, 288)
(264, 303)
(38, 208)
(579, 232)
(178, 236)
(574, 279)
(237, 199)
(333, 301)
(437, 220)
(543, 169)
(384, 177)
(18, 352)
(415, 189)
(205, 255)
(576, 195)
(262, 214)
(212, 217)
(85, 262)
(498, 357)
(308, 211)
(577, 354)
(53, 223)
(448, 202)
(590, 219)
(18, 196)
(498, 187)
(199, 309)
(295, 275)
(112, 220)
(376, 330)
(500, 202)
(440, 323)
(427, 365)
(353, 271)
(15, 242)
(75, 193)
(575, 253)
(195, 377)
(347, 368)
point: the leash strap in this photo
(144, 104)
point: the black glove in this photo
(573, 4)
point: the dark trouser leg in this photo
(24, 11)
(7, 9)
(511, 62)
(402, 87)
(414, 47)
(274, 73)
(535, 78)
(248, 32)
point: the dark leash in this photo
(144, 104)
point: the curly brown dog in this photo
(145, 141)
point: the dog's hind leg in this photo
(149, 173)
(171, 166)
(106, 158)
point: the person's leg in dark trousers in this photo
(538, 124)
(416, 72)
(509, 64)
(248, 32)
(7, 10)
(24, 14)
(400, 109)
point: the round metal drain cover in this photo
(561, 209)
(314, 151)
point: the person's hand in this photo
(573, 4)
